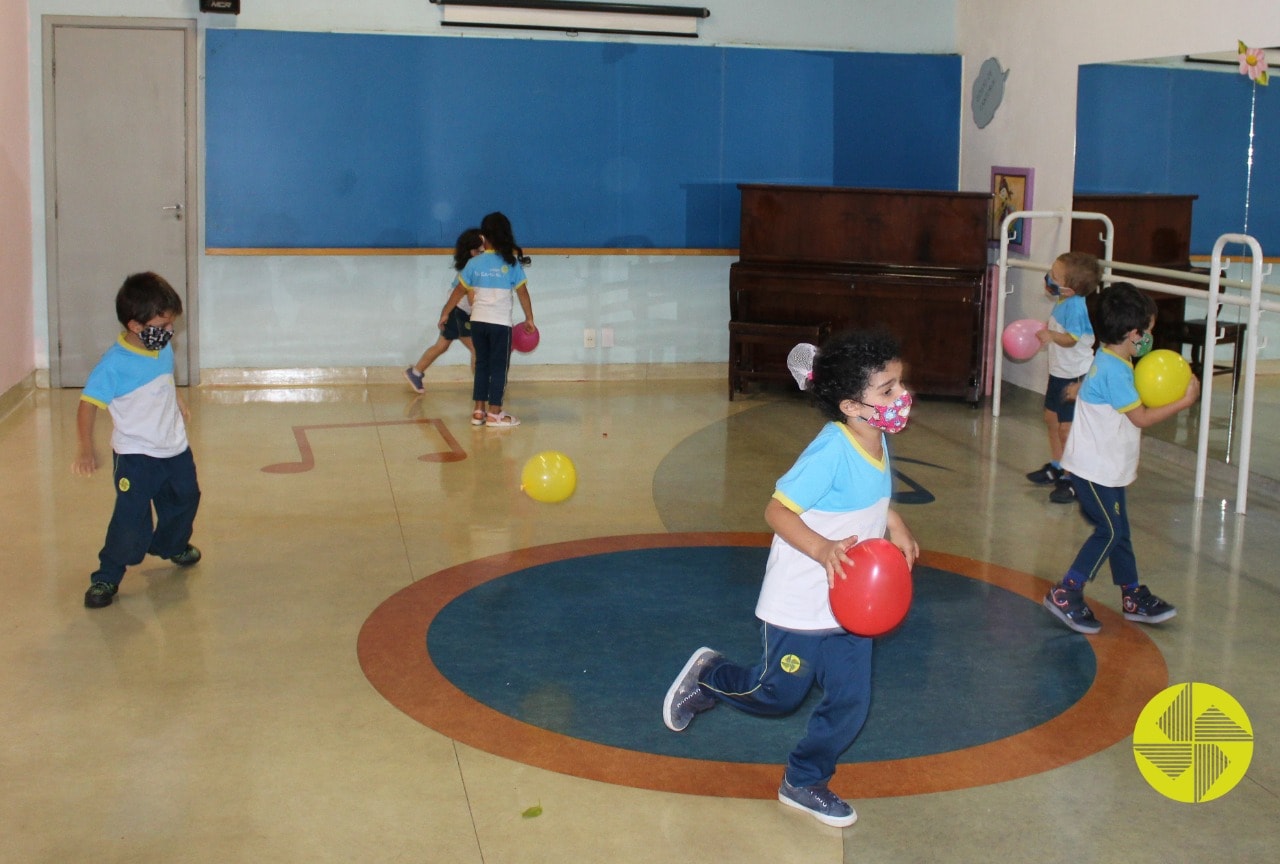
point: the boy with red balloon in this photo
(1069, 337)
(836, 493)
(1102, 456)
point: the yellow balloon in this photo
(1161, 377)
(549, 477)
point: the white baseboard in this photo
(346, 375)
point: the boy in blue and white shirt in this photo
(1102, 456)
(1069, 337)
(151, 459)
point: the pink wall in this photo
(17, 349)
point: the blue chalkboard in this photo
(326, 140)
(1182, 132)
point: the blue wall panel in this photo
(1186, 132)
(374, 141)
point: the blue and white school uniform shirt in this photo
(1071, 316)
(137, 387)
(839, 490)
(491, 282)
(1103, 444)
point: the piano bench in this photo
(747, 363)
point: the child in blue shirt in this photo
(456, 323)
(1102, 456)
(493, 280)
(836, 494)
(1069, 337)
(151, 460)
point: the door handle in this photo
(176, 208)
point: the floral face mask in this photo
(891, 418)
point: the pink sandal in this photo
(502, 420)
(477, 418)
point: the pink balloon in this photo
(1019, 338)
(522, 340)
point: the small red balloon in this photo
(523, 340)
(875, 592)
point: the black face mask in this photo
(154, 338)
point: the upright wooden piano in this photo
(835, 258)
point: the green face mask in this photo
(1143, 345)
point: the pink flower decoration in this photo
(1253, 63)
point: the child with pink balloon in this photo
(1069, 337)
(836, 494)
(493, 280)
(1102, 458)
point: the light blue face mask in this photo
(1143, 345)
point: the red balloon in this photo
(1019, 338)
(522, 340)
(875, 592)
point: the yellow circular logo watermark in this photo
(790, 664)
(124, 484)
(1193, 742)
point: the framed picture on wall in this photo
(1011, 191)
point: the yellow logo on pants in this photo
(790, 664)
(124, 484)
(1193, 742)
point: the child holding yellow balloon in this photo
(1102, 456)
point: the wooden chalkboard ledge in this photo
(449, 251)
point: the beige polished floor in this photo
(220, 713)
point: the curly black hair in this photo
(844, 366)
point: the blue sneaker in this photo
(1070, 608)
(414, 377)
(686, 698)
(819, 802)
(1144, 607)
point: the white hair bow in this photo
(800, 364)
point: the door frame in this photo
(48, 23)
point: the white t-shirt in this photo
(1103, 445)
(493, 283)
(839, 491)
(1071, 316)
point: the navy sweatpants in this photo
(492, 343)
(141, 482)
(839, 663)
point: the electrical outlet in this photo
(589, 338)
(606, 337)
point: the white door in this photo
(119, 175)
